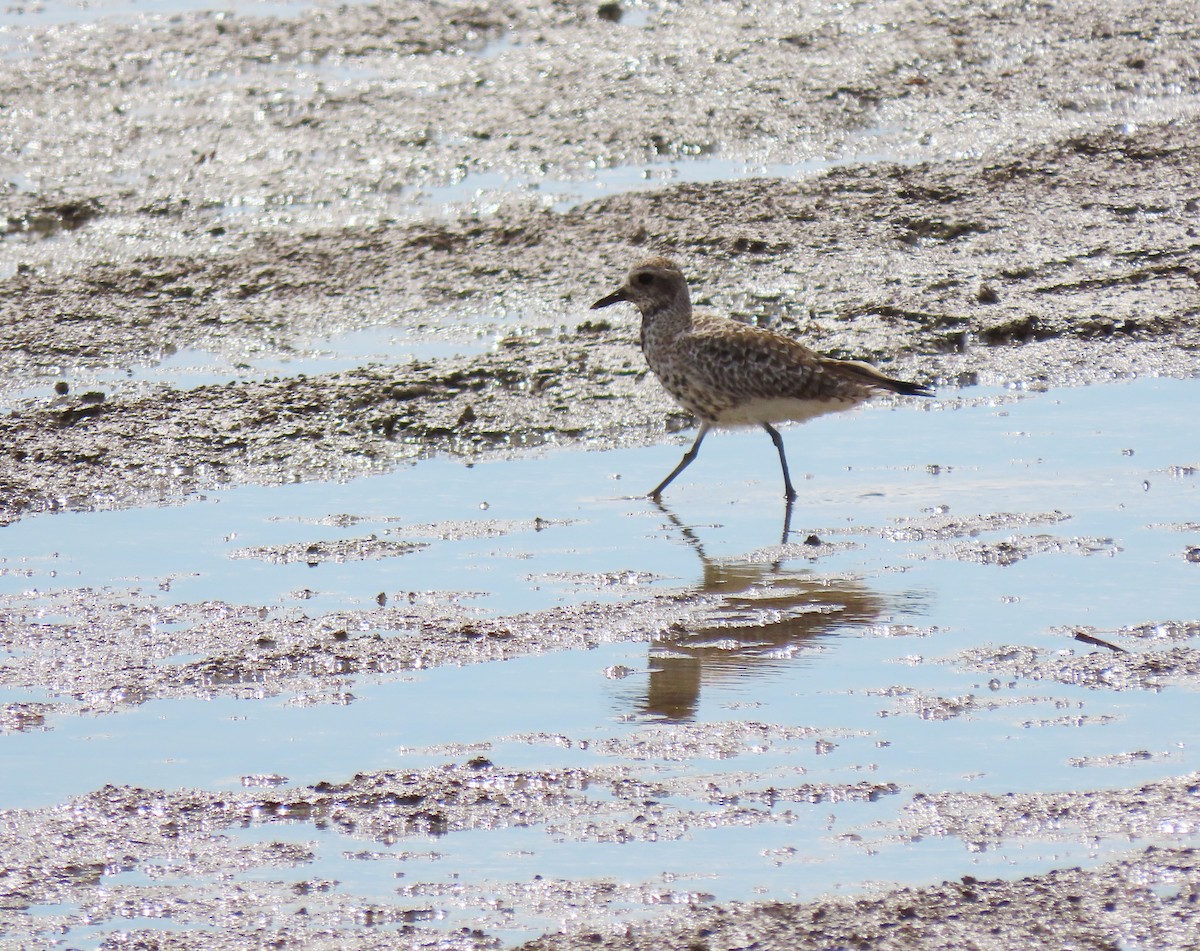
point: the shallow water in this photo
(59, 12)
(186, 368)
(845, 639)
(480, 188)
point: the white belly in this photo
(757, 412)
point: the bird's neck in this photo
(663, 327)
(667, 319)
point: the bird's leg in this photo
(788, 491)
(686, 461)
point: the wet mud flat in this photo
(1003, 200)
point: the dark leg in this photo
(683, 463)
(788, 491)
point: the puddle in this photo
(483, 189)
(188, 368)
(57, 12)
(993, 518)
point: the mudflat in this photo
(1000, 195)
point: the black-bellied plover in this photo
(726, 373)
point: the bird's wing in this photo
(752, 363)
(867, 375)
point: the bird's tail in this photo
(872, 377)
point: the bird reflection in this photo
(766, 613)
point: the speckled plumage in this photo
(731, 374)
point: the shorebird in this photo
(727, 373)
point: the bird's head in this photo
(652, 285)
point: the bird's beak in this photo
(614, 298)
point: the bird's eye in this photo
(645, 279)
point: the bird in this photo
(727, 373)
